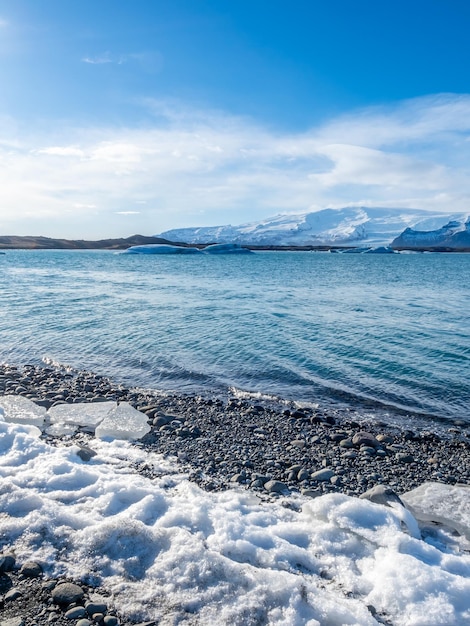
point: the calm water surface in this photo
(369, 330)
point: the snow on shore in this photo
(168, 550)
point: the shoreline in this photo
(271, 451)
(269, 448)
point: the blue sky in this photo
(120, 116)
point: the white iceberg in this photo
(123, 422)
(20, 410)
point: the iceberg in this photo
(226, 248)
(20, 410)
(160, 248)
(123, 422)
(380, 250)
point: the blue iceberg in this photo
(161, 248)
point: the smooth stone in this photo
(31, 569)
(110, 620)
(86, 453)
(95, 607)
(322, 475)
(275, 486)
(381, 494)
(346, 443)
(66, 593)
(384, 438)
(7, 563)
(75, 612)
(83, 622)
(13, 594)
(311, 493)
(363, 438)
(402, 457)
(237, 478)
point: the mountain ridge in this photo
(348, 226)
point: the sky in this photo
(120, 117)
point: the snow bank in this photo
(170, 551)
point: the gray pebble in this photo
(75, 612)
(7, 563)
(275, 486)
(95, 607)
(402, 457)
(31, 569)
(66, 593)
(13, 594)
(323, 475)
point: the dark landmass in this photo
(47, 243)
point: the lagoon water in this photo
(386, 332)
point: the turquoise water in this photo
(364, 330)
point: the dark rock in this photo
(86, 453)
(7, 563)
(31, 569)
(66, 593)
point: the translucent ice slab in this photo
(85, 414)
(123, 422)
(19, 410)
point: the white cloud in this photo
(66, 151)
(98, 60)
(188, 164)
(148, 61)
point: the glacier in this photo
(453, 236)
(348, 226)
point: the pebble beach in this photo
(272, 449)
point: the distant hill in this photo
(46, 243)
(349, 226)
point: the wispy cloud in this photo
(99, 59)
(148, 61)
(192, 167)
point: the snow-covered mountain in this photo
(455, 235)
(347, 226)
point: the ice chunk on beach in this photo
(85, 414)
(123, 422)
(448, 505)
(20, 410)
